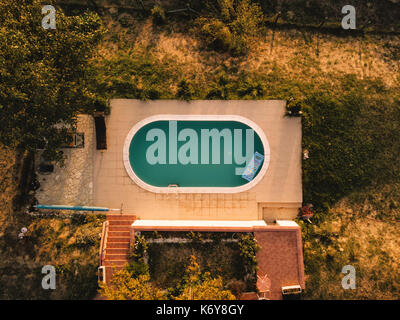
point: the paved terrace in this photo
(98, 177)
(277, 195)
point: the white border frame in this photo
(166, 117)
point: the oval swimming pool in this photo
(195, 153)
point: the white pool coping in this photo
(166, 117)
(286, 223)
(200, 223)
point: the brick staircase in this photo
(117, 242)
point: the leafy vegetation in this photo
(234, 28)
(230, 256)
(123, 286)
(248, 249)
(72, 249)
(195, 285)
(354, 234)
(44, 75)
(158, 15)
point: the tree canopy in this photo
(124, 286)
(232, 25)
(44, 74)
(198, 286)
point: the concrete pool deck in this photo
(93, 177)
(277, 196)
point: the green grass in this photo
(358, 231)
(71, 248)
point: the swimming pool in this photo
(194, 153)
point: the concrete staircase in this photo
(117, 242)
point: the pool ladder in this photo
(174, 185)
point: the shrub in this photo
(234, 28)
(76, 281)
(123, 286)
(194, 236)
(237, 287)
(125, 20)
(158, 15)
(248, 248)
(139, 249)
(138, 268)
(78, 219)
(185, 91)
(198, 286)
(215, 34)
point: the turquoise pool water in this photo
(197, 174)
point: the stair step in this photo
(116, 263)
(116, 251)
(120, 223)
(112, 234)
(118, 245)
(118, 228)
(118, 242)
(117, 239)
(113, 257)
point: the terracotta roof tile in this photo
(280, 259)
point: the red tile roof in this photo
(280, 259)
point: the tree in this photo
(198, 286)
(45, 77)
(124, 286)
(246, 24)
(235, 25)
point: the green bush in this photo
(139, 249)
(158, 15)
(234, 28)
(76, 281)
(138, 268)
(215, 34)
(248, 249)
(125, 20)
(185, 91)
(194, 236)
(79, 219)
